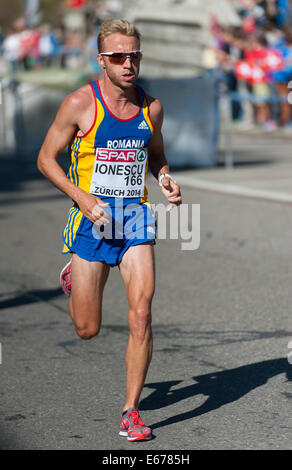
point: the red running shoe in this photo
(65, 279)
(132, 427)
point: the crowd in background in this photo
(255, 57)
(31, 48)
(256, 61)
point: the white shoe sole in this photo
(125, 434)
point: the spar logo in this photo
(119, 155)
(141, 155)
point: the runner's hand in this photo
(91, 207)
(171, 191)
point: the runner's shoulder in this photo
(155, 109)
(77, 102)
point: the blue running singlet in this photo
(110, 161)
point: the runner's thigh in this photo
(138, 272)
(88, 279)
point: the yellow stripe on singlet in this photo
(80, 173)
(146, 115)
(83, 153)
(148, 120)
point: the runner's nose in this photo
(128, 62)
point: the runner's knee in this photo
(87, 331)
(140, 320)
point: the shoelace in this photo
(136, 418)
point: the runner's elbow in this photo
(42, 162)
(40, 165)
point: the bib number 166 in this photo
(134, 180)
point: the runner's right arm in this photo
(57, 139)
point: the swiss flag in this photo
(242, 70)
(272, 61)
(258, 75)
(249, 72)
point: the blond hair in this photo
(116, 26)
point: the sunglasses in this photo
(121, 57)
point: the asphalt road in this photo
(219, 378)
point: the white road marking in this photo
(232, 189)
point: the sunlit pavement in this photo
(220, 376)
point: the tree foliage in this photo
(10, 10)
(51, 11)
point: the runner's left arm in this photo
(157, 159)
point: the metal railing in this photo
(226, 98)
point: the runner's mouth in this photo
(128, 75)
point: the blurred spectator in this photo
(273, 35)
(256, 62)
(255, 53)
(48, 45)
(60, 35)
(11, 49)
(282, 14)
(91, 50)
(29, 48)
(230, 44)
(74, 46)
(283, 76)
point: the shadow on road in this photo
(18, 168)
(30, 297)
(221, 388)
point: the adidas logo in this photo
(143, 125)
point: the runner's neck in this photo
(115, 94)
(119, 106)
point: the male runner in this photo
(114, 130)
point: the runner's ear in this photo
(100, 61)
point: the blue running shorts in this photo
(131, 223)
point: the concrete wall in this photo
(191, 119)
(171, 50)
(175, 34)
(28, 111)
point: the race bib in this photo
(119, 173)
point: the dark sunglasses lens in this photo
(120, 57)
(116, 58)
(135, 55)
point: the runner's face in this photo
(125, 74)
